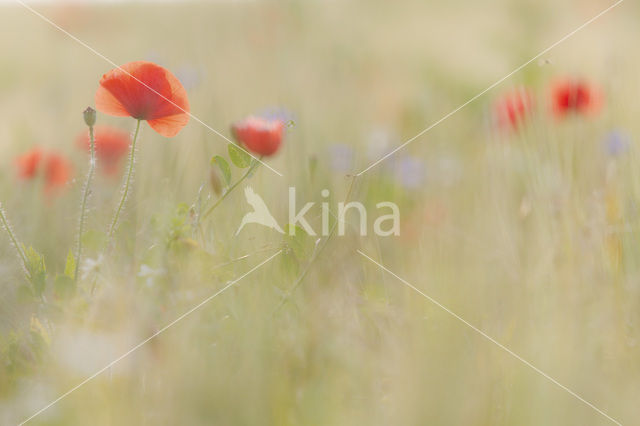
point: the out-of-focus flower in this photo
(57, 171)
(616, 143)
(149, 274)
(54, 167)
(145, 91)
(575, 96)
(259, 135)
(513, 108)
(91, 267)
(28, 163)
(111, 144)
(410, 172)
(341, 158)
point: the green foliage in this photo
(64, 285)
(70, 266)
(36, 270)
(178, 228)
(224, 168)
(298, 248)
(239, 157)
(300, 242)
(23, 350)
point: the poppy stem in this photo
(126, 184)
(250, 170)
(14, 241)
(85, 197)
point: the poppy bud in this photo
(89, 116)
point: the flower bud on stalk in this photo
(89, 116)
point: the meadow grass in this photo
(530, 235)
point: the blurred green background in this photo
(531, 236)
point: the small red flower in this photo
(513, 108)
(56, 169)
(28, 163)
(145, 91)
(259, 135)
(570, 95)
(111, 146)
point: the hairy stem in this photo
(126, 184)
(251, 168)
(14, 241)
(85, 197)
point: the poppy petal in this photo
(169, 126)
(109, 104)
(145, 91)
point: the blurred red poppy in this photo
(259, 135)
(513, 108)
(145, 91)
(56, 169)
(28, 163)
(111, 144)
(578, 96)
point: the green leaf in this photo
(64, 286)
(70, 267)
(223, 166)
(239, 157)
(36, 270)
(300, 243)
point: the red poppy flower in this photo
(577, 96)
(513, 108)
(56, 169)
(111, 146)
(259, 135)
(28, 163)
(145, 91)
